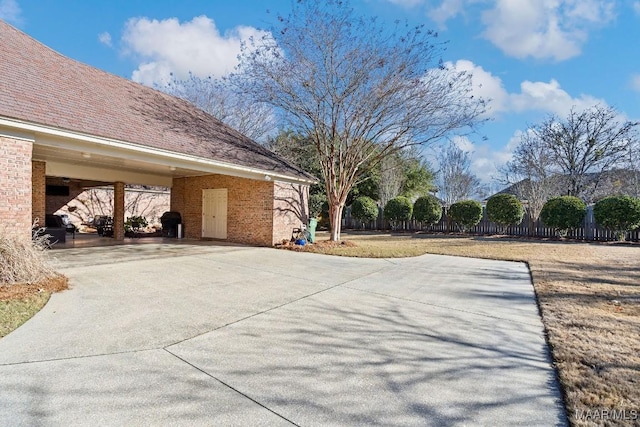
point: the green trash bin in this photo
(313, 223)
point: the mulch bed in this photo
(23, 290)
(311, 247)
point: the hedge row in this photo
(616, 213)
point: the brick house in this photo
(66, 124)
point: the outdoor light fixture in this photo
(267, 178)
(172, 168)
(86, 155)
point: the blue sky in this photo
(531, 57)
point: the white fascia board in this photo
(54, 137)
(17, 134)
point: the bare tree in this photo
(531, 172)
(361, 91)
(255, 120)
(632, 167)
(584, 145)
(455, 180)
(392, 178)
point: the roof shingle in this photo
(41, 86)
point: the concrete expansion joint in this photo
(230, 387)
(84, 356)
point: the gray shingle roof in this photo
(39, 85)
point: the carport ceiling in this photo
(98, 161)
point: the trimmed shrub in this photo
(398, 210)
(364, 209)
(563, 213)
(466, 213)
(427, 209)
(505, 209)
(618, 214)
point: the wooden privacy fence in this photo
(589, 230)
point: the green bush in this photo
(618, 213)
(466, 213)
(316, 202)
(364, 209)
(427, 209)
(505, 209)
(563, 213)
(398, 210)
(134, 223)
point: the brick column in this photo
(15, 187)
(118, 210)
(39, 192)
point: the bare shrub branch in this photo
(23, 260)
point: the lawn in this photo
(18, 303)
(589, 296)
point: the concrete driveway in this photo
(230, 335)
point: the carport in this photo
(63, 122)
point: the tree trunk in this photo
(335, 219)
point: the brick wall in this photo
(249, 207)
(176, 200)
(38, 191)
(15, 187)
(290, 209)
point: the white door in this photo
(214, 213)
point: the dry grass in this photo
(23, 260)
(589, 295)
(26, 280)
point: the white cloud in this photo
(485, 85)
(636, 7)
(105, 39)
(448, 9)
(543, 29)
(463, 143)
(485, 160)
(169, 46)
(533, 96)
(635, 82)
(549, 97)
(10, 12)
